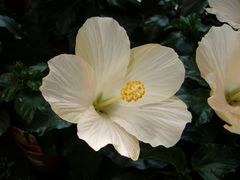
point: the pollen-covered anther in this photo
(133, 91)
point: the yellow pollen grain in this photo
(133, 91)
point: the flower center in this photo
(234, 99)
(132, 91)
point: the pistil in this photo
(234, 99)
(107, 102)
(131, 92)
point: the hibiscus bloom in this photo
(218, 58)
(226, 11)
(117, 95)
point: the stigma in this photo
(133, 91)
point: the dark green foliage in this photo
(11, 25)
(196, 100)
(173, 155)
(43, 29)
(214, 161)
(19, 78)
(21, 86)
(36, 114)
(4, 121)
(192, 71)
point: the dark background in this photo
(45, 147)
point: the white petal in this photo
(157, 124)
(218, 60)
(218, 52)
(232, 80)
(160, 70)
(226, 11)
(228, 113)
(234, 127)
(104, 44)
(98, 130)
(69, 87)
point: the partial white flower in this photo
(226, 11)
(218, 58)
(117, 95)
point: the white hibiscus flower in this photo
(226, 11)
(218, 58)
(117, 95)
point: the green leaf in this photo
(46, 120)
(197, 102)
(21, 77)
(34, 85)
(201, 134)
(189, 6)
(153, 26)
(190, 26)
(9, 93)
(214, 161)
(8, 86)
(35, 75)
(40, 67)
(157, 20)
(173, 155)
(178, 41)
(36, 114)
(11, 25)
(4, 121)
(141, 163)
(192, 70)
(26, 105)
(190, 23)
(6, 79)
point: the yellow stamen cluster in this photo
(133, 91)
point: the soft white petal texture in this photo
(230, 114)
(218, 52)
(69, 87)
(158, 124)
(104, 44)
(218, 61)
(226, 11)
(98, 130)
(159, 68)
